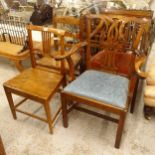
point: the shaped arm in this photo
(73, 50)
(67, 56)
(138, 64)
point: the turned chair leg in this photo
(48, 115)
(120, 130)
(11, 104)
(18, 65)
(2, 150)
(147, 112)
(134, 96)
(64, 111)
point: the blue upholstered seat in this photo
(101, 86)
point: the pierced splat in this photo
(115, 33)
(116, 39)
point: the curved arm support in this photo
(73, 50)
(138, 64)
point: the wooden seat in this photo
(36, 83)
(106, 84)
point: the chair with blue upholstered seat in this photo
(106, 84)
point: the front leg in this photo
(147, 112)
(18, 65)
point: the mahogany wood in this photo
(118, 40)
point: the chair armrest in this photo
(138, 64)
(73, 50)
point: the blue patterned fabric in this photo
(101, 86)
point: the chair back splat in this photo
(113, 43)
(117, 39)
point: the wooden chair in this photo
(72, 27)
(39, 83)
(106, 83)
(141, 14)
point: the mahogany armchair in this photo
(142, 14)
(106, 84)
(40, 83)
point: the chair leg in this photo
(120, 130)
(64, 111)
(2, 150)
(48, 115)
(19, 65)
(147, 112)
(11, 104)
(134, 96)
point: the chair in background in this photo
(71, 26)
(39, 83)
(106, 83)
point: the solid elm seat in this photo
(35, 83)
(112, 90)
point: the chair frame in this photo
(68, 97)
(142, 14)
(9, 90)
(45, 102)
